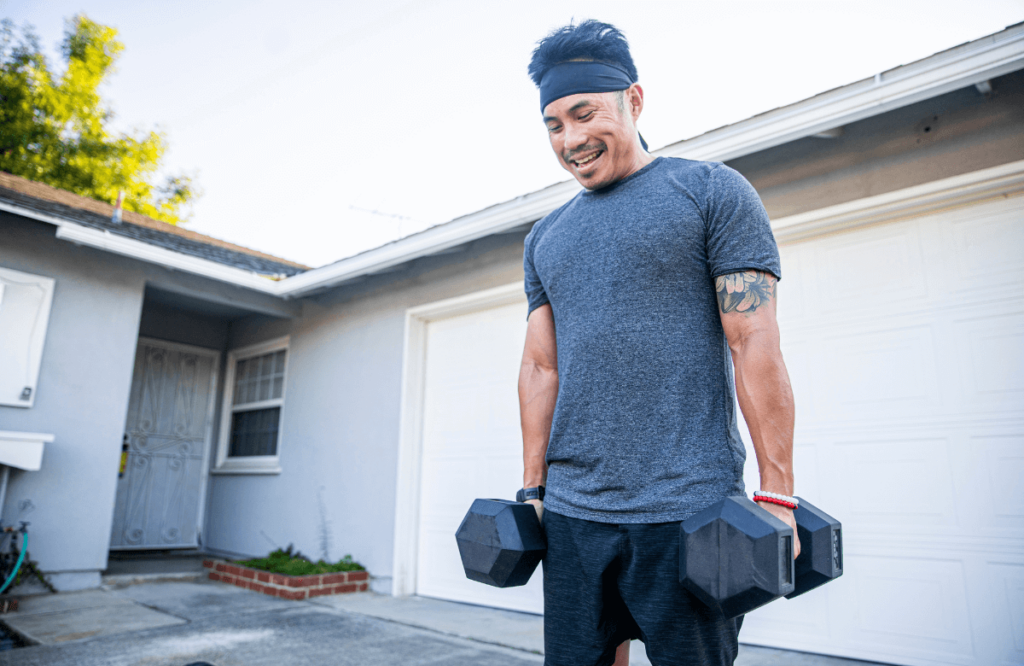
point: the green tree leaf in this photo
(55, 129)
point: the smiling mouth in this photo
(583, 162)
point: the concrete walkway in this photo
(179, 622)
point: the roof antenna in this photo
(116, 217)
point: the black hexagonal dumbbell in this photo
(736, 556)
(501, 542)
(821, 548)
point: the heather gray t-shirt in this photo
(644, 429)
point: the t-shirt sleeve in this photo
(739, 234)
(535, 294)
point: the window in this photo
(25, 301)
(252, 409)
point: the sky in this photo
(318, 130)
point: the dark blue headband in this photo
(573, 78)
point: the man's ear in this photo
(635, 100)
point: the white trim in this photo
(250, 464)
(23, 450)
(410, 439)
(129, 247)
(1006, 180)
(211, 412)
(26, 436)
(959, 67)
(37, 338)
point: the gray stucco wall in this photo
(82, 399)
(340, 422)
(84, 383)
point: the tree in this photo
(55, 130)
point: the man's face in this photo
(595, 137)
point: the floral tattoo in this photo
(745, 291)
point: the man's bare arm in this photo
(538, 391)
(746, 303)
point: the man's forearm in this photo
(538, 392)
(766, 398)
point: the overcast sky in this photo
(300, 117)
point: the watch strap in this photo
(526, 494)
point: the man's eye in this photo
(586, 115)
(553, 129)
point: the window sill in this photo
(247, 467)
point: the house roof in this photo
(97, 215)
(959, 67)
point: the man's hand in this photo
(539, 506)
(786, 516)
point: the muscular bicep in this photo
(541, 349)
(746, 303)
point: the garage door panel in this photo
(910, 481)
(791, 619)
(879, 265)
(1001, 471)
(472, 445)
(925, 613)
(987, 244)
(1007, 599)
(792, 294)
(909, 389)
(885, 372)
(991, 363)
(453, 478)
(454, 410)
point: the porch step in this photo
(121, 580)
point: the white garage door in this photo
(472, 445)
(905, 345)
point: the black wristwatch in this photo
(524, 494)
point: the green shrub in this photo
(284, 561)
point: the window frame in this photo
(38, 327)
(226, 464)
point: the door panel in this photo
(167, 431)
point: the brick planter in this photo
(288, 587)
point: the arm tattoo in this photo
(744, 292)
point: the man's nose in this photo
(575, 138)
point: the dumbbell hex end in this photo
(501, 542)
(736, 556)
(821, 548)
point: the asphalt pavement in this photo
(176, 623)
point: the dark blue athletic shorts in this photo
(606, 583)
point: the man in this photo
(641, 291)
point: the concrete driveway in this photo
(177, 623)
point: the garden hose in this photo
(17, 565)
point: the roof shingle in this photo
(97, 215)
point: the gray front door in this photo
(159, 494)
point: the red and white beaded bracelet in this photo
(776, 498)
